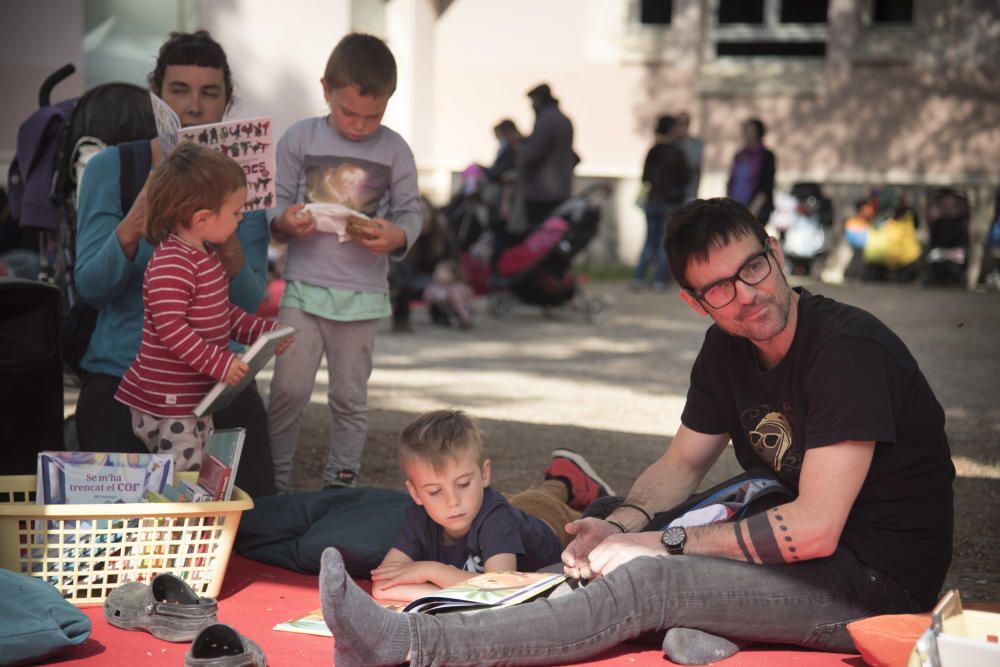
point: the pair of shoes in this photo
(636, 286)
(659, 287)
(167, 607)
(401, 326)
(584, 484)
(220, 645)
(343, 480)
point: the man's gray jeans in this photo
(807, 604)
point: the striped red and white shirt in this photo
(186, 326)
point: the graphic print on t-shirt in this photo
(355, 183)
(769, 431)
(474, 564)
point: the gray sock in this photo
(687, 646)
(365, 633)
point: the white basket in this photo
(87, 551)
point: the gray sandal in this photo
(221, 645)
(167, 608)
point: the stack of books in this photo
(217, 474)
(113, 477)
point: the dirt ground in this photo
(614, 391)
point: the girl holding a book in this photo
(195, 200)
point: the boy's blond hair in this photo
(439, 437)
(190, 179)
(364, 61)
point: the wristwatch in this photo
(674, 540)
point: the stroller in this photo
(948, 244)
(538, 270)
(53, 147)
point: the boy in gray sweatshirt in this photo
(337, 275)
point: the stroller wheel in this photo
(595, 310)
(500, 305)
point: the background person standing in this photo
(751, 178)
(546, 160)
(665, 175)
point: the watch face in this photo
(674, 538)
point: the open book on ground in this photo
(256, 357)
(247, 141)
(491, 590)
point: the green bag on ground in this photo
(35, 620)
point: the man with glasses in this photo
(820, 392)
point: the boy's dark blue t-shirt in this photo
(498, 528)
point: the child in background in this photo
(460, 527)
(337, 292)
(194, 202)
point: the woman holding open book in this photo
(192, 76)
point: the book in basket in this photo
(100, 477)
(214, 476)
(491, 590)
(227, 446)
(256, 357)
(247, 141)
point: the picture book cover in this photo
(248, 141)
(256, 357)
(100, 477)
(227, 445)
(484, 591)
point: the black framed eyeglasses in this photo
(722, 292)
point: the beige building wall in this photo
(912, 105)
(908, 105)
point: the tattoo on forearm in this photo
(762, 536)
(784, 532)
(739, 540)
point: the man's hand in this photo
(619, 549)
(382, 237)
(295, 222)
(237, 369)
(589, 532)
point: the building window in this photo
(656, 12)
(769, 29)
(741, 11)
(892, 11)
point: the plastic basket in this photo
(87, 551)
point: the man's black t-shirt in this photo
(498, 528)
(846, 377)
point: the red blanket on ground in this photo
(255, 597)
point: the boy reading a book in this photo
(461, 527)
(336, 292)
(195, 201)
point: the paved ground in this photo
(614, 392)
